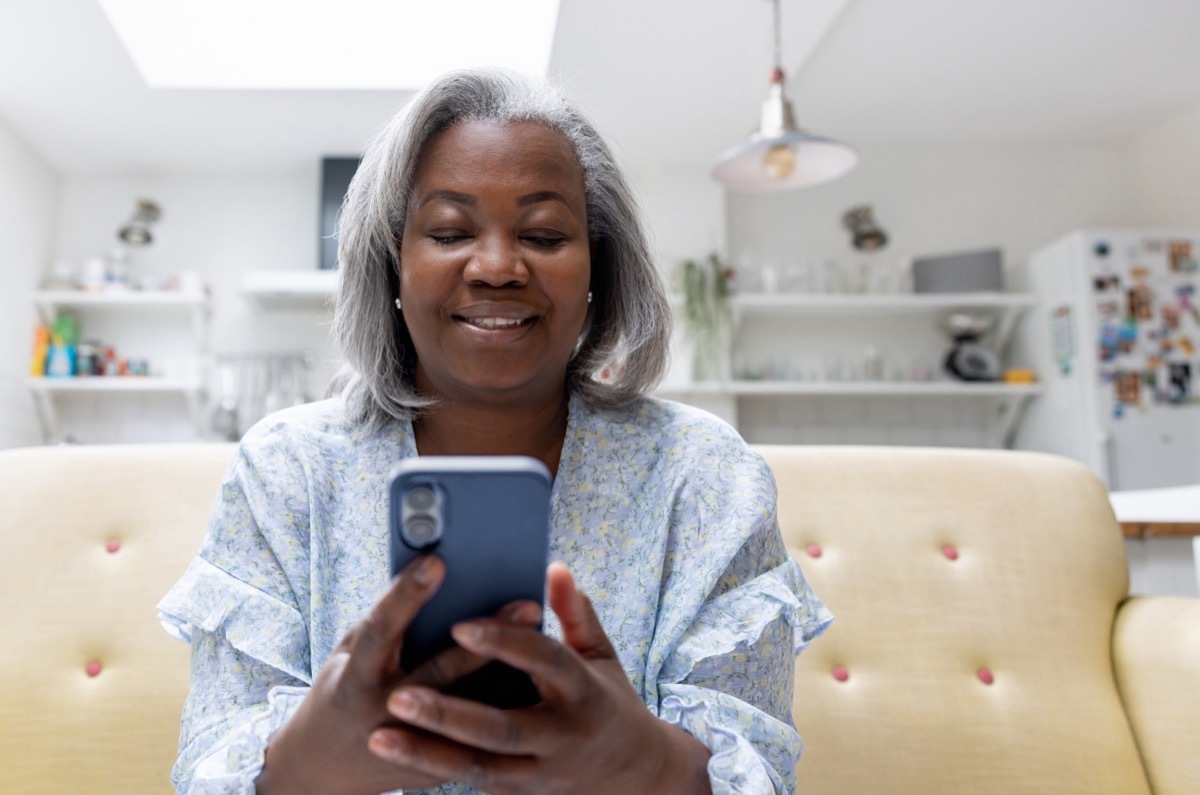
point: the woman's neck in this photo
(460, 429)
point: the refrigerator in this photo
(1115, 341)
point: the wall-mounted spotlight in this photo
(865, 232)
(136, 231)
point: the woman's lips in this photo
(491, 323)
(495, 330)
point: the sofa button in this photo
(950, 551)
(93, 668)
(813, 550)
(840, 673)
(112, 545)
(985, 676)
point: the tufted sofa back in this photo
(975, 593)
(91, 687)
(973, 652)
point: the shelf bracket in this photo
(1011, 410)
(47, 416)
(46, 313)
(1004, 331)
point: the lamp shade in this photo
(788, 161)
(779, 155)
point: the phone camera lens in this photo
(421, 530)
(420, 498)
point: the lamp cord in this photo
(778, 45)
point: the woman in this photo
(492, 265)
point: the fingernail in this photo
(423, 573)
(403, 705)
(523, 613)
(382, 744)
(467, 633)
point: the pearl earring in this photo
(589, 296)
(397, 303)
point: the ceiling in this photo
(668, 81)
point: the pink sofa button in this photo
(840, 673)
(985, 676)
(93, 668)
(813, 550)
(112, 545)
(950, 551)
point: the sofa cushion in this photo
(90, 538)
(975, 593)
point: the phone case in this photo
(494, 538)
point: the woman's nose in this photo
(496, 262)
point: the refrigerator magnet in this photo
(1179, 256)
(1179, 381)
(1140, 302)
(1128, 387)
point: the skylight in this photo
(328, 44)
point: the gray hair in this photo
(623, 350)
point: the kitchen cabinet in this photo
(856, 349)
(144, 319)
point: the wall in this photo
(1167, 163)
(684, 211)
(29, 192)
(931, 199)
(221, 226)
(940, 198)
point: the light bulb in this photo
(779, 161)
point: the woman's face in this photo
(495, 262)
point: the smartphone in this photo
(488, 519)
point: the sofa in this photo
(984, 642)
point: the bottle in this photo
(60, 361)
(41, 350)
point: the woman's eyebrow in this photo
(542, 196)
(451, 196)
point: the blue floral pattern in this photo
(664, 515)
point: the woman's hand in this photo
(323, 747)
(590, 733)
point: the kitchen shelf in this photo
(45, 389)
(125, 383)
(913, 321)
(1007, 306)
(1011, 398)
(865, 388)
(915, 302)
(144, 298)
(51, 303)
(283, 290)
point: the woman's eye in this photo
(543, 241)
(446, 238)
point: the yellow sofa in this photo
(984, 641)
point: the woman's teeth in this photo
(494, 322)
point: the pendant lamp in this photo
(779, 156)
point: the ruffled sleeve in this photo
(209, 600)
(241, 605)
(729, 683)
(739, 611)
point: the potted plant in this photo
(707, 317)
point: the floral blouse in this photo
(664, 515)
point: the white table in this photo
(1162, 532)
